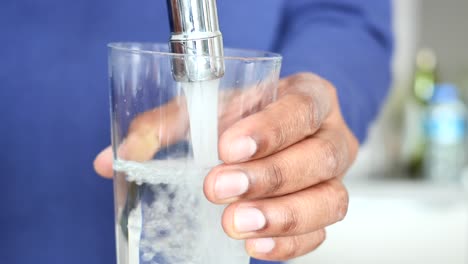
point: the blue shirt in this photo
(54, 110)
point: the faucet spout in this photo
(195, 33)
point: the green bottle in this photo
(424, 81)
(425, 75)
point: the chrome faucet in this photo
(195, 33)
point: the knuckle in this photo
(340, 201)
(279, 136)
(317, 96)
(337, 200)
(275, 179)
(331, 156)
(321, 237)
(330, 88)
(343, 203)
(306, 76)
(310, 112)
(292, 248)
(301, 83)
(290, 220)
(277, 131)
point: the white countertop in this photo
(402, 222)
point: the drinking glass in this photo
(164, 140)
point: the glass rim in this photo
(128, 47)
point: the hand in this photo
(282, 170)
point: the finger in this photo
(304, 104)
(294, 214)
(166, 125)
(153, 130)
(284, 248)
(326, 155)
(103, 163)
(147, 133)
(163, 126)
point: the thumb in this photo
(103, 163)
(147, 134)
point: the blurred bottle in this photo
(445, 128)
(414, 141)
(425, 75)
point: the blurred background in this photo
(407, 188)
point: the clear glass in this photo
(164, 139)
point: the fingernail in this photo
(264, 245)
(231, 184)
(248, 219)
(242, 149)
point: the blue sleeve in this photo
(349, 43)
